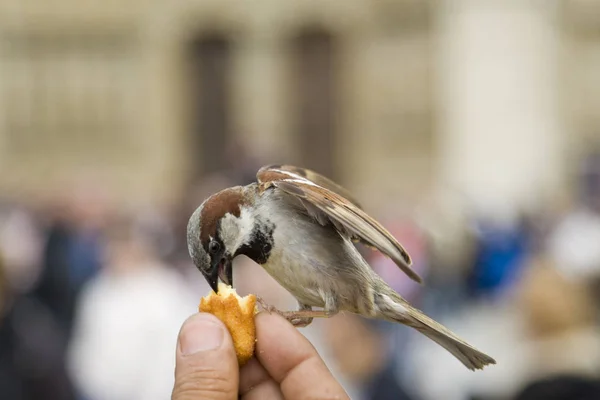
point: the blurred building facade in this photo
(492, 99)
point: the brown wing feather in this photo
(274, 172)
(349, 219)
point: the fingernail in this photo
(200, 333)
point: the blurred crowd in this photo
(92, 298)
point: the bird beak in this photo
(220, 268)
(213, 279)
(226, 271)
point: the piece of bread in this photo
(237, 313)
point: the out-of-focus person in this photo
(21, 242)
(413, 239)
(547, 328)
(573, 245)
(127, 322)
(500, 254)
(361, 350)
(561, 387)
(31, 347)
(560, 325)
(72, 254)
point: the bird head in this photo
(223, 227)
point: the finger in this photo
(206, 364)
(256, 383)
(291, 360)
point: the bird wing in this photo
(279, 172)
(328, 206)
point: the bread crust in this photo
(237, 313)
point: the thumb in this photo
(206, 364)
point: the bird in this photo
(302, 227)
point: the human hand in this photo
(285, 366)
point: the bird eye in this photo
(214, 247)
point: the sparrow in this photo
(301, 227)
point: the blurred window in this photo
(66, 92)
(211, 59)
(314, 91)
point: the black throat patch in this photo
(261, 242)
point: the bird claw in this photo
(267, 307)
(291, 316)
(300, 322)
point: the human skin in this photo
(285, 366)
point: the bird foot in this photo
(299, 318)
(266, 307)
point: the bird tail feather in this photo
(394, 308)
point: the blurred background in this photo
(469, 128)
